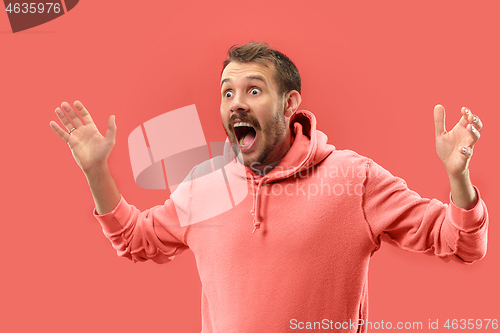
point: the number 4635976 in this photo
(471, 324)
(33, 7)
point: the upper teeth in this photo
(242, 124)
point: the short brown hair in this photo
(287, 74)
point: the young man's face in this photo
(253, 113)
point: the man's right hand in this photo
(91, 151)
(89, 148)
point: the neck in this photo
(263, 170)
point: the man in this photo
(294, 254)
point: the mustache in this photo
(245, 119)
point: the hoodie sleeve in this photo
(421, 225)
(151, 234)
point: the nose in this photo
(239, 104)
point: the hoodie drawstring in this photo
(255, 209)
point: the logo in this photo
(170, 150)
(26, 15)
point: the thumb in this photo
(439, 116)
(111, 132)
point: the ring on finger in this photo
(71, 130)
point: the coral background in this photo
(372, 72)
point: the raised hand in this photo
(455, 147)
(89, 148)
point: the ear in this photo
(292, 102)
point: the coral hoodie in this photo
(294, 253)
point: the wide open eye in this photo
(228, 94)
(255, 91)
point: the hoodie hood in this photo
(215, 177)
(308, 148)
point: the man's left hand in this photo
(455, 147)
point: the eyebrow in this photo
(248, 78)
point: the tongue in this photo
(249, 138)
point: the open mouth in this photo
(245, 134)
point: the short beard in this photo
(275, 134)
(275, 131)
